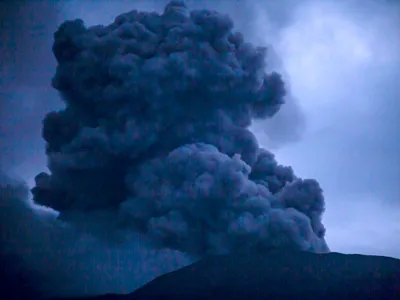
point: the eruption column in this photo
(155, 129)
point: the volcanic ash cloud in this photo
(155, 130)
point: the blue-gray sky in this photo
(341, 59)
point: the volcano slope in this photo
(277, 275)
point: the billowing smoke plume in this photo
(156, 130)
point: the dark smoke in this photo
(289, 124)
(16, 223)
(156, 130)
(40, 255)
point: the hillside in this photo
(277, 275)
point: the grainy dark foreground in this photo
(277, 275)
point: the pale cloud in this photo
(342, 60)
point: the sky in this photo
(340, 58)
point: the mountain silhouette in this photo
(277, 275)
